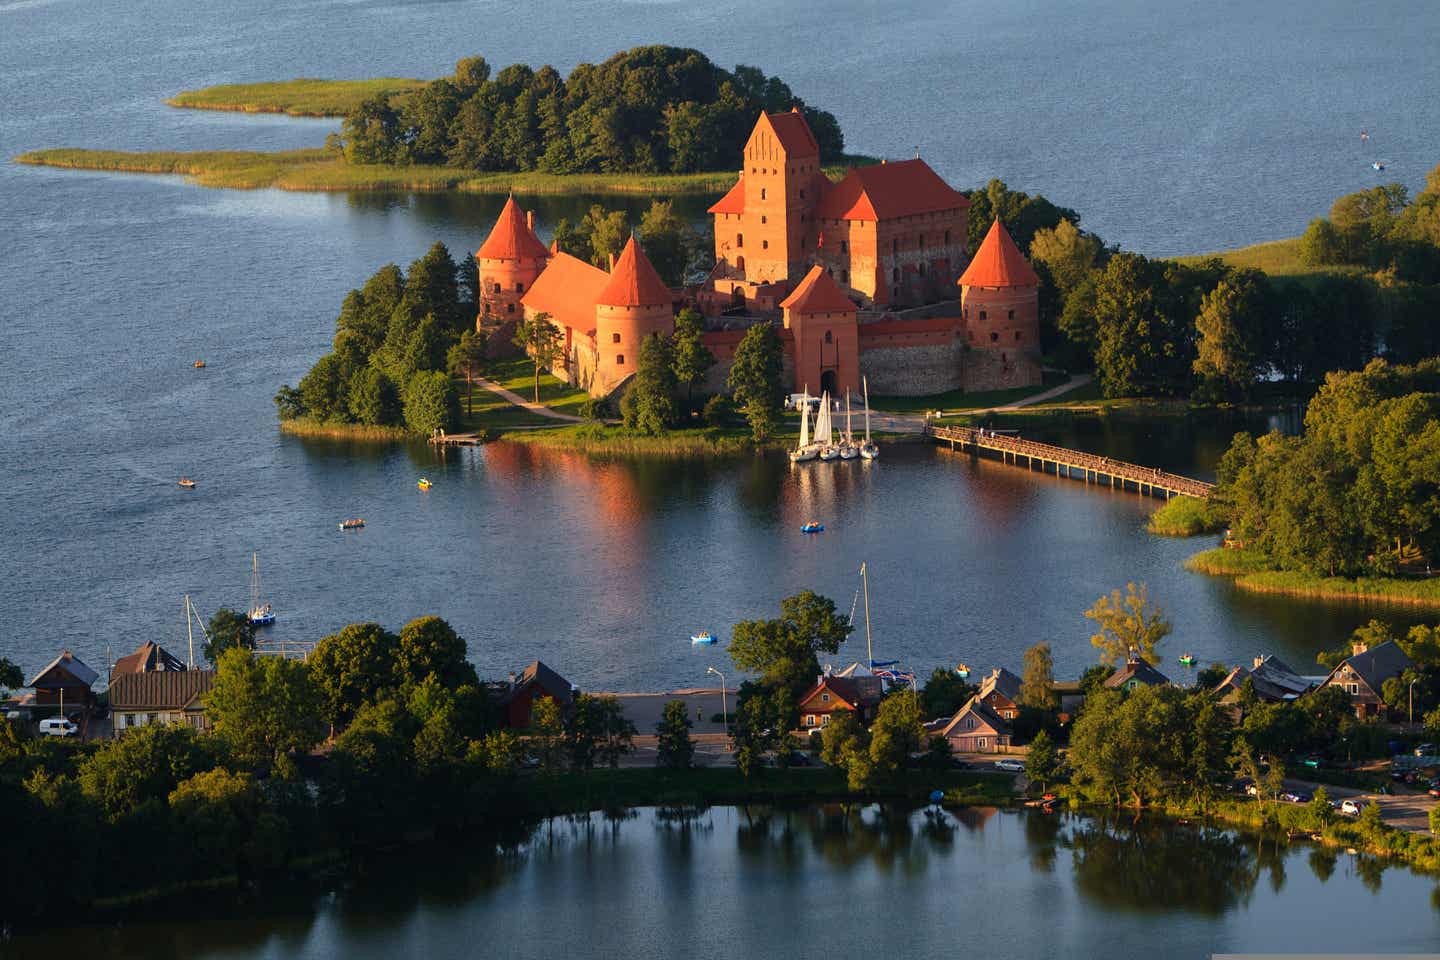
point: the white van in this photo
(58, 727)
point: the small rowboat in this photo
(703, 637)
(812, 527)
(1187, 659)
(187, 483)
(424, 484)
(354, 524)
(962, 671)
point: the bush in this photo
(717, 411)
(594, 408)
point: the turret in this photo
(508, 262)
(1000, 296)
(633, 304)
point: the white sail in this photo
(805, 423)
(822, 423)
(865, 382)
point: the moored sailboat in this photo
(868, 449)
(849, 449)
(260, 614)
(805, 450)
(824, 436)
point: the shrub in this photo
(717, 411)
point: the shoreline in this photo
(300, 97)
(1253, 575)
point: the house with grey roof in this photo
(1000, 691)
(141, 698)
(1363, 674)
(1135, 673)
(976, 728)
(1272, 679)
(67, 680)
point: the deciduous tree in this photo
(755, 379)
(784, 651)
(540, 338)
(1037, 682)
(674, 748)
(1127, 623)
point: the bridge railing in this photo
(1121, 469)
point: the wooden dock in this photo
(442, 439)
(1074, 464)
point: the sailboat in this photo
(260, 615)
(823, 434)
(848, 448)
(805, 450)
(886, 670)
(868, 449)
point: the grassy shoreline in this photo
(301, 97)
(1185, 517)
(1256, 575)
(345, 431)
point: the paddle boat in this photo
(704, 636)
(814, 526)
(424, 484)
(199, 364)
(352, 524)
(1187, 659)
(187, 483)
(962, 671)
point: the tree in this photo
(145, 764)
(1126, 625)
(10, 676)
(896, 732)
(428, 646)
(944, 693)
(372, 398)
(1037, 682)
(370, 131)
(674, 748)
(784, 651)
(540, 338)
(353, 667)
(1070, 254)
(841, 737)
(690, 359)
(598, 731)
(649, 404)
(216, 815)
(464, 359)
(1321, 813)
(668, 241)
(755, 379)
(263, 707)
(547, 725)
(1042, 763)
(1232, 325)
(431, 403)
(605, 231)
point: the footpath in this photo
(539, 409)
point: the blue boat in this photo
(704, 636)
(812, 527)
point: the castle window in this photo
(519, 287)
(496, 287)
(764, 219)
(614, 338)
(895, 245)
(762, 193)
(802, 194)
(922, 241)
(947, 238)
(922, 269)
(844, 276)
(619, 359)
(895, 275)
(994, 336)
(844, 246)
(828, 337)
(739, 239)
(1017, 334)
(764, 244)
(509, 308)
(1011, 315)
(802, 243)
(982, 314)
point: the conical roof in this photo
(512, 238)
(818, 293)
(999, 263)
(634, 282)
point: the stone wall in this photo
(987, 369)
(912, 370)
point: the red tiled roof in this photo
(793, 133)
(818, 293)
(634, 282)
(998, 262)
(732, 202)
(888, 190)
(567, 290)
(512, 237)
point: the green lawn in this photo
(1278, 258)
(963, 400)
(493, 413)
(302, 97)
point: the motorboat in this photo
(424, 483)
(814, 526)
(703, 637)
(187, 483)
(352, 524)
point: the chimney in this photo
(530, 219)
(1133, 656)
(1259, 661)
(1358, 647)
(612, 263)
(819, 679)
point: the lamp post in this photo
(724, 710)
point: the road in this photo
(1404, 811)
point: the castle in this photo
(859, 275)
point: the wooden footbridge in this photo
(1074, 464)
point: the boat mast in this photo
(190, 631)
(805, 421)
(865, 382)
(865, 582)
(254, 583)
(849, 434)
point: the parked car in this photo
(1295, 796)
(1350, 808)
(1251, 790)
(1010, 766)
(58, 727)
(1434, 790)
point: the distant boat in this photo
(823, 431)
(868, 449)
(354, 524)
(1380, 164)
(814, 526)
(187, 483)
(805, 450)
(1187, 659)
(424, 484)
(703, 636)
(199, 364)
(849, 449)
(260, 614)
(962, 671)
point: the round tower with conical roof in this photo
(508, 262)
(633, 304)
(1000, 315)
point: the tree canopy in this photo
(784, 650)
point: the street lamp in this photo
(724, 711)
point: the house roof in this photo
(567, 290)
(976, 707)
(511, 238)
(66, 670)
(1001, 681)
(1139, 670)
(733, 201)
(998, 262)
(884, 191)
(855, 691)
(537, 674)
(1376, 665)
(166, 690)
(1272, 678)
(793, 132)
(634, 282)
(818, 293)
(147, 658)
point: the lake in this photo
(761, 882)
(1172, 128)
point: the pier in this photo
(443, 439)
(1074, 464)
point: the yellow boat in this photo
(187, 483)
(423, 484)
(199, 364)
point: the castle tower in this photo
(822, 320)
(1000, 315)
(633, 304)
(508, 262)
(761, 224)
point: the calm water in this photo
(1174, 128)
(756, 883)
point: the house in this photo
(976, 728)
(1000, 691)
(138, 699)
(1272, 679)
(64, 682)
(535, 681)
(1363, 674)
(1136, 672)
(1069, 696)
(859, 695)
(147, 658)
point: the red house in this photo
(535, 681)
(859, 695)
